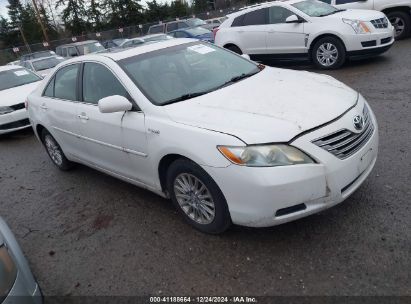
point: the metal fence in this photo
(12, 54)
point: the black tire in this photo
(221, 219)
(234, 49)
(336, 45)
(55, 152)
(403, 19)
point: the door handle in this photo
(44, 107)
(85, 117)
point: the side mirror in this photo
(113, 104)
(292, 19)
(246, 56)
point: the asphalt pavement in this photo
(86, 233)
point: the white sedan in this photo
(228, 140)
(16, 83)
(305, 29)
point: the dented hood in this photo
(274, 105)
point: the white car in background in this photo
(228, 140)
(16, 83)
(42, 66)
(305, 29)
(397, 11)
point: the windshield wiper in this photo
(184, 97)
(332, 13)
(196, 94)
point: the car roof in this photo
(43, 58)
(10, 67)
(254, 7)
(78, 43)
(120, 54)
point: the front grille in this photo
(16, 124)
(386, 40)
(381, 23)
(369, 43)
(345, 143)
(18, 106)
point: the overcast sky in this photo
(3, 9)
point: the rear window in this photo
(89, 48)
(15, 78)
(197, 31)
(48, 63)
(156, 29)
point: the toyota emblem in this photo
(358, 122)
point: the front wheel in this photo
(401, 22)
(197, 197)
(328, 53)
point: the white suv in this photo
(313, 29)
(397, 11)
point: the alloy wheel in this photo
(327, 54)
(399, 25)
(54, 150)
(194, 198)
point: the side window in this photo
(256, 17)
(156, 29)
(326, 1)
(49, 91)
(99, 82)
(72, 52)
(64, 52)
(279, 14)
(65, 86)
(238, 21)
(171, 26)
(346, 1)
(180, 35)
(182, 25)
(58, 51)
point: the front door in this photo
(115, 142)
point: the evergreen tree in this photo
(73, 15)
(123, 12)
(94, 14)
(156, 11)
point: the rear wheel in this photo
(328, 53)
(401, 22)
(234, 49)
(197, 197)
(55, 152)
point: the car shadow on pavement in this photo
(17, 135)
(307, 65)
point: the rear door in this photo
(250, 30)
(282, 37)
(115, 142)
(59, 107)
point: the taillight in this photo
(215, 30)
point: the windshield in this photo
(195, 22)
(197, 31)
(185, 71)
(118, 41)
(14, 78)
(92, 47)
(315, 8)
(45, 64)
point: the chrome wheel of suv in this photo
(327, 54)
(399, 25)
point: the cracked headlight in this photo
(8, 272)
(265, 155)
(358, 26)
